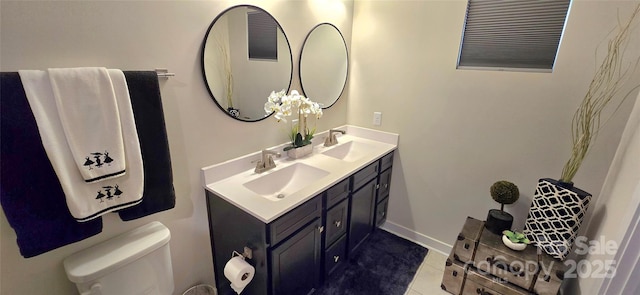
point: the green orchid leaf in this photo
(509, 234)
(298, 142)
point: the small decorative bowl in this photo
(513, 246)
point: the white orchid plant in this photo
(283, 106)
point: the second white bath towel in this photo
(86, 101)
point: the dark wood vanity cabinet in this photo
(295, 253)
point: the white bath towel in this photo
(85, 99)
(86, 201)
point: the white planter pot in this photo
(511, 245)
(300, 152)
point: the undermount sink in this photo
(278, 184)
(350, 151)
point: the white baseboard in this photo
(418, 238)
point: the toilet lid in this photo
(98, 260)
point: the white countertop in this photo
(227, 179)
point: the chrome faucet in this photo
(266, 161)
(331, 139)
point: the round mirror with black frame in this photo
(324, 64)
(245, 56)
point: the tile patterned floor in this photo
(429, 276)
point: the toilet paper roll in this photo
(239, 273)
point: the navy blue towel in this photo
(146, 102)
(30, 192)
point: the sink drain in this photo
(280, 196)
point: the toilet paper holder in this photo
(246, 253)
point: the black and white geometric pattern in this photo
(555, 217)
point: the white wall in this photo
(615, 211)
(143, 35)
(462, 130)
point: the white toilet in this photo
(134, 263)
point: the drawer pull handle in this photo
(337, 223)
(482, 292)
(516, 271)
(321, 228)
(455, 273)
(336, 258)
(466, 246)
(377, 186)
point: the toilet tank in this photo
(134, 263)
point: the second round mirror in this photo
(324, 64)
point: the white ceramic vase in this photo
(513, 246)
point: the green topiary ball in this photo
(505, 192)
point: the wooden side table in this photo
(480, 263)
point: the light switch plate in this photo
(377, 118)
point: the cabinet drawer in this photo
(386, 161)
(454, 275)
(550, 276)
(335, 256)
(381, 211)
(289, 223)
(480, 284)
(467, 241)
(365, 174)
(516, 267)
(337, 193)
(336, 222)
(385, 184)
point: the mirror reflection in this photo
(245, 56)
(324, 64)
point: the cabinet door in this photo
(361, 222)
(296, 263)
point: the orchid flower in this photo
(283, 106)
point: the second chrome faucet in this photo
(266, 161)
(331, 139)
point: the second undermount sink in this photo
(349, 151)
(278, 184)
